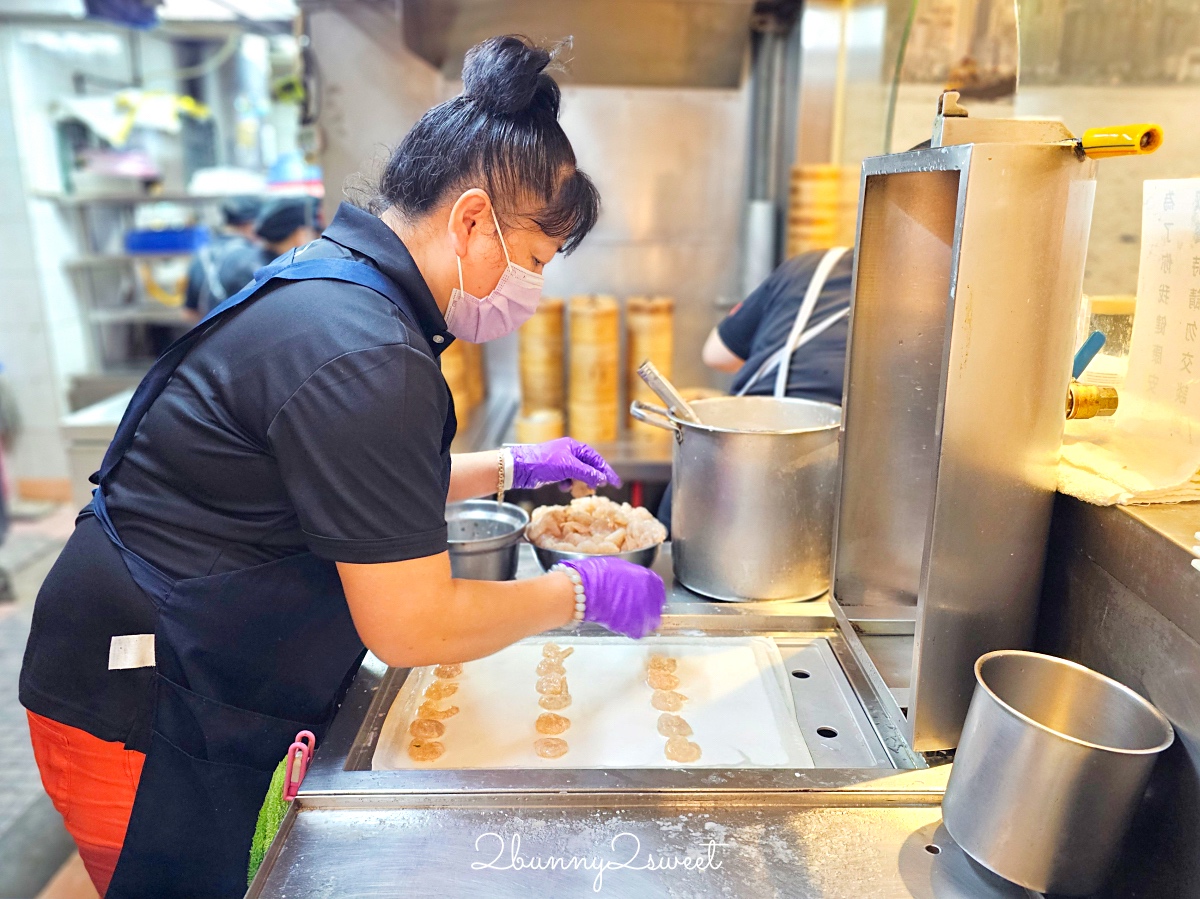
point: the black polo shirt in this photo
(315, 417)
(312, 418)
(758, 327)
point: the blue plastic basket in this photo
(166, 240)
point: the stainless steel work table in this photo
(865, 822)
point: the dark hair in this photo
(241, 210)
(282, 216)
(502, 134)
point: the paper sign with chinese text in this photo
(1162, 388)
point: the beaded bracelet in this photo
(500, 478)
(580, 597)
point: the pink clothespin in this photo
(298, 756)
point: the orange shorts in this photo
(92, 784)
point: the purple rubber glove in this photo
(624, 597)
(564, 459)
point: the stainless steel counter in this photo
(865, 822)
(1120, 596)
(785, 846)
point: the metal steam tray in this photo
(739, 706)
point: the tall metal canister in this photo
(967, 283)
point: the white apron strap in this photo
(211, 276)
(797, 337)
(815, 286)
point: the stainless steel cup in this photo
(1052, 763)
(485, 539)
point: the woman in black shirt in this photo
(274, 498)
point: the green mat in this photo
(270, 818)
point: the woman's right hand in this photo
(624, 597)
(415, 612)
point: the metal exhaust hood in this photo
(647, 43)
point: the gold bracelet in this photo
(500, 477)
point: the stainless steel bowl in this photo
(549, 557)
(485, 539)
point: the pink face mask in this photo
(510, 305)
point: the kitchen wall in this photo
(372, 91)
(1113, 252)
(25, 344)
(1074, 67)
(669, 164)
(43, 341)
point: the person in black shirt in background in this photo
(279, 225)
(774, 321)
(206, 288)
(286, 223)
(750, 339)
(283, 224)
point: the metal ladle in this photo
(666, 392)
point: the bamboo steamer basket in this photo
(473, 373)
(547, 320)
(816, 171)
(454, 370)
(816, 193)
(594, 374)
(848, 210)
(594, 345)
(541, 357)
(822, 208)
(595, 319)
(539, 425)
(594, 384)
(593, 423)
(650, 334)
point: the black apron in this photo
(243, 661)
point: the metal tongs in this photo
(666, 392)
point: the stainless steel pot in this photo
(754, 490)
(1052, 763)
(485, 539)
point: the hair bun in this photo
(507, 76)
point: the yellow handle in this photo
(1122, 140)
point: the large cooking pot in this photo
(755, 484)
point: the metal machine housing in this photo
(966, 288)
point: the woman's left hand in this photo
(564, 459)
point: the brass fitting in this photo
(1090, 401)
